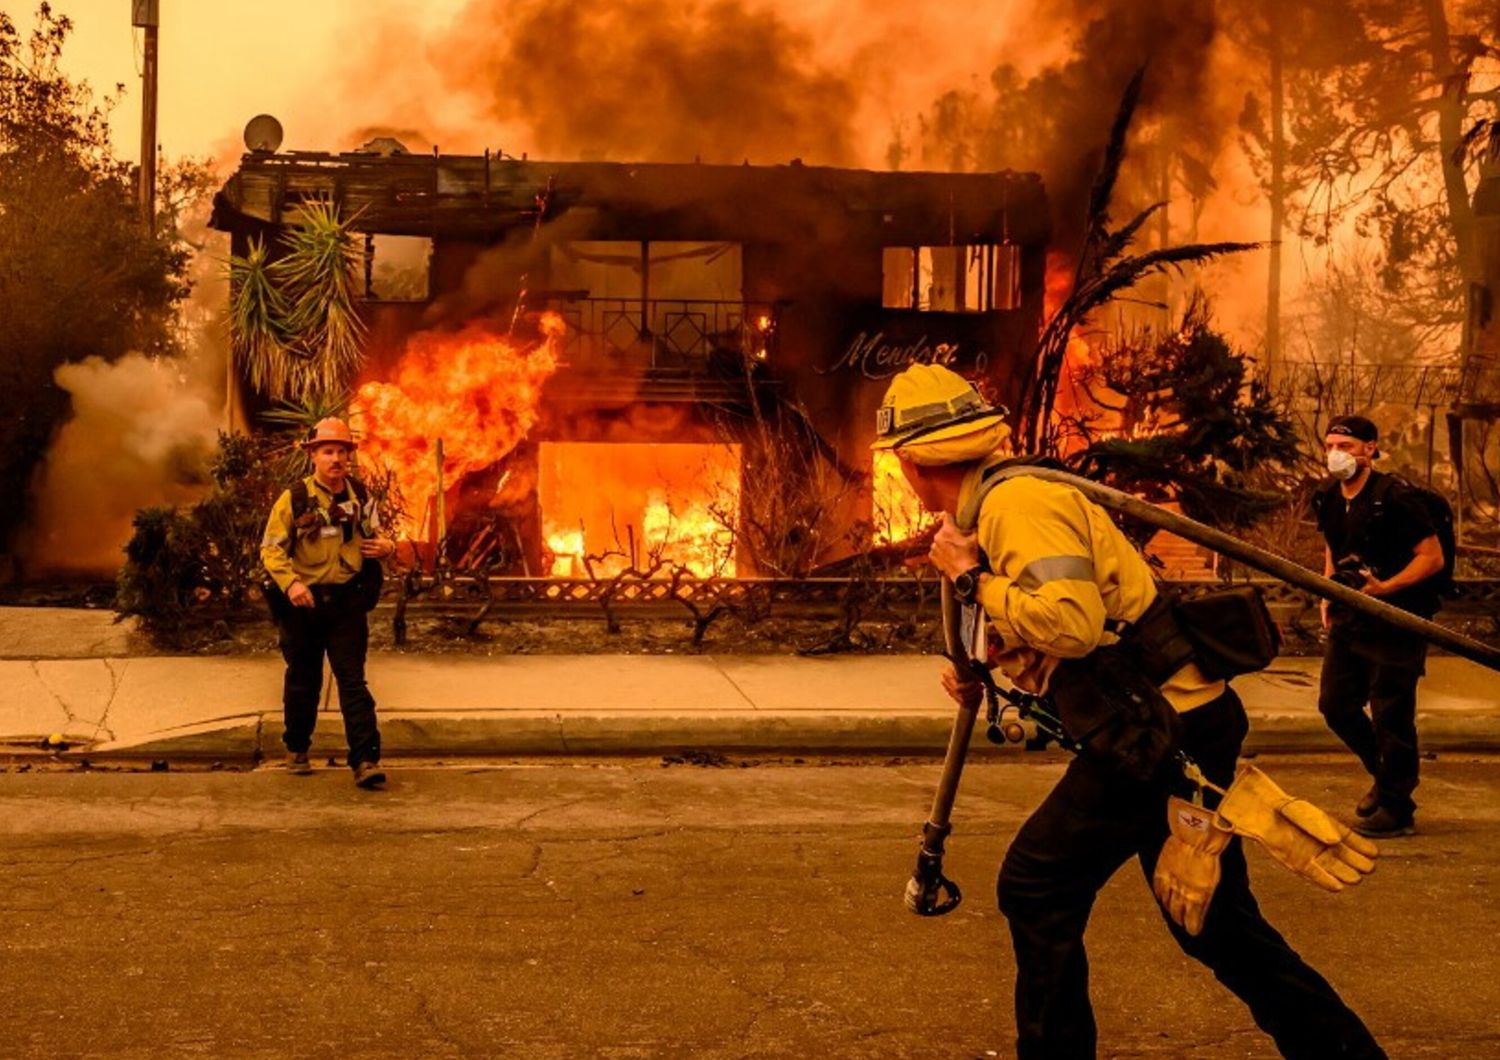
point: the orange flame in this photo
(1071, 397)
(898, 515)
(477, 391)
(684, 535)
(635, 504)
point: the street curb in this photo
(621, 733)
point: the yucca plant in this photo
(258, 321)
(318, 278)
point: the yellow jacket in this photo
(1060, 567)
(317, 554)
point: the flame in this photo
(476, 390)
(898, 515)
(1058, 283)
(567, 551)
(691, 533)
(1072, 399)
(634, 504)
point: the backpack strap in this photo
(968, 516)
(1320, 496)
(301, 499)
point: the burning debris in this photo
(696, 389)
(455, 405)
(613, 508)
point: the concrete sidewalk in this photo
(445, 705)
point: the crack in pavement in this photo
(524, 820)
(115, 681)
(37, 672)
(732, 682)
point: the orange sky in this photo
(223, 61)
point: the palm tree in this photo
(1105, 270)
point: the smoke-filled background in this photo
(140, 434)
(882, 84)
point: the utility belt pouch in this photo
(1158, 639)
(368, 583)
(1231, 631)
(276, 600)
(1115, 712)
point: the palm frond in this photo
(257, 320)
(302, 413)
(1116, 243)
(1102, 274)
(1103, 189)
(1128, 272)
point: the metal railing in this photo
(1339, 386)
(683, 334)
(564, 597)
(1481, 382)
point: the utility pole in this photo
(146, 15)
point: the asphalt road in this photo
(633, 910)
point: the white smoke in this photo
(141, 433)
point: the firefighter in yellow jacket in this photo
(322, 548)
(1053, 575)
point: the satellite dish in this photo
(263, 133)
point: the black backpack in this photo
(302, 499)
(368, 582)
(1439, 513)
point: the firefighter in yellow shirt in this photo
(322, 548)
(1055, 577)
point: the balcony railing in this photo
(686, 335)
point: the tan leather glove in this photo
(1187, 870)
(1297, 833)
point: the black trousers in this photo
(1094, 821)
(1374, 667)
(339, 628)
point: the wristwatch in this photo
(966, 585)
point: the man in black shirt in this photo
(1379, 539)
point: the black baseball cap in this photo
(1356, 427)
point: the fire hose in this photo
(929, 892)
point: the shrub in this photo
(182, 563)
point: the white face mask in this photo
(1342, 465)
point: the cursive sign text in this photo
(875, 358)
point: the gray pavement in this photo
(77, 678)
(621, 909)
(227, 707)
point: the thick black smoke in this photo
(1056, 121)
(637, 80)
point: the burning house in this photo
(655, 361)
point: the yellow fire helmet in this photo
(935, 416)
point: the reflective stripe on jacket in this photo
(1059, 568)
(316, 558)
